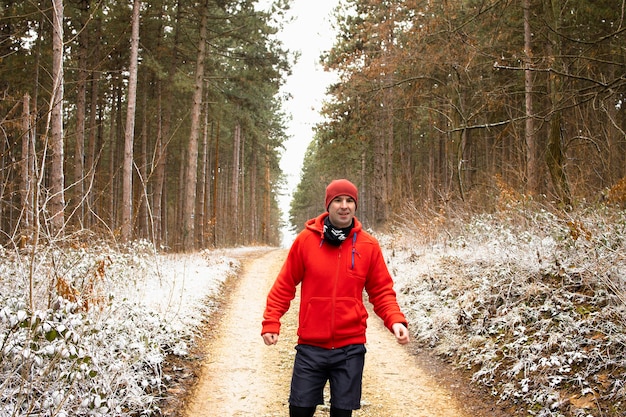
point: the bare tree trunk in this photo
(379, 183)
(142, 209)
(464, 166)
(180, 204)
(164, 115)
(555, 158)
(127, 180)
(615, 143)
(115, 136)
(532, 164)
(158, 166)
(440, 167)
(78, 188)
(94, 128)
(266, 197)
(208, 185)
(216, 177)
(252, 222)
(389, 148)
(202, 180)
(241, 225)
(90, 156)
(28, 167)
(364, 193)
(57, 198)
(191, 175)
(234, 189)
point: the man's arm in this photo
(381, 294)
(281, 294)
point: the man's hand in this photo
(270, 338)
(401, 333)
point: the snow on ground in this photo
(533, 304)
(101, 349)
(180, 287)
(181, 284)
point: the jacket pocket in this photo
(315, 325)
(350, 317)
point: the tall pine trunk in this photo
(164, 114)
(216, 178)
(555, 157)
(57, 191)
(127, 170)
(142, 198)
(532, 165)
(202, 195)
(78, 188)
(191, 174)
(234, 185)
(94, 129)
(158, 167)
(28, 167)
(251, 219)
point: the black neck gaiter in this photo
(333, 235)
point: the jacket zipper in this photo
(334, 299)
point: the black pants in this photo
(341, 367)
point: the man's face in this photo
(341, 211)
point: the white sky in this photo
(310, 33)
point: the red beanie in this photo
(340, 187)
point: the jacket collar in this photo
(316, 225)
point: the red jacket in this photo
(332, 278)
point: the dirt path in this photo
(240, 376)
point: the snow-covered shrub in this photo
(96, 344)
(533, 303)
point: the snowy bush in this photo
(58, 361)
(97, 338)
(533, 304)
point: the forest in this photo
(141, 120)
(164, 120)
(447, 105)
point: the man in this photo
(333, 259)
